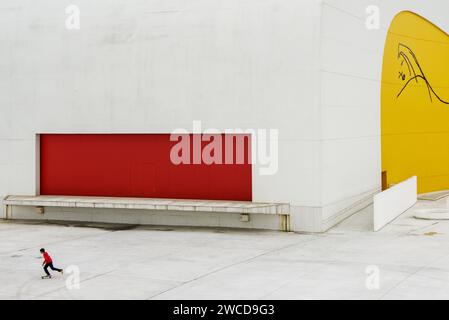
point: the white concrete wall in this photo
(391, 203)
(152, 66)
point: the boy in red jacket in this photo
(48, 262)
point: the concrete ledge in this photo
(149, 204)
(153, 211)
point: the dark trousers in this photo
(51, 267)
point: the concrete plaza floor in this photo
(409, 259)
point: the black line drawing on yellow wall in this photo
(415, 72)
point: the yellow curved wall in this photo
(415, 103)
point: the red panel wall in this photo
(135, 165)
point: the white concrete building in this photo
(310, 69)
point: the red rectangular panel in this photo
(137, 165)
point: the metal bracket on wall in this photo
(284, 222)
(8, 212)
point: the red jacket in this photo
(47, 258)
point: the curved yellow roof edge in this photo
(419, 16)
